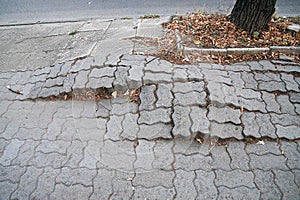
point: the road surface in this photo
(30, 11)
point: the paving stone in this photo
(266, 129)
(81, 80)
(268, 147)
(217, 76)
(158, 192)
(159, 66)
(32, 133)
(154, 179)
(35, 90)
(122, 187)
(220, 158)
(6, 188)
(10, 152)
(267, 65)
(121, 109)
(265, 183)
(190, 99)
(155, 116)
(238, 193)
(118, 155)
(222, 115)
(184, 184)
(289, 132)
(297, 108)
(285, 181)
(144, 156)
(74, 154)
(80, 65)
(237, 67)
(252, 105)
(285, 105)
(147, 97)
(130, 126)
(102, 72)
(114, 127)
(272, 86)
(120, 82)
(89, 161)
(294, 97)
(238, 156)
(204, 184)
(267, 77)
(182, 121)
(187, 87)
(194, 73)
(81, 176)
(27, 183)
(11, 173)
(285, 119)
(26, 152)
(94, 127)
(157, 78)
(254, 65)
(58, 81)
(251, 127)
(193, 162)
(290, 83)
(200, 123)
(135, 77)
(226, 131)
(89, 109)
(45, 70)
(216, 95)
(287, 68)
(180, 74)
(103, 107)
(58, 146)
(103, 82)
(54, 160)
(54, 70)
(230, 97)
(155, 131)
(46, 184)
(296, 173)
(270, 101)
(100, 190)
(236, 79)
(164, 95)
(234, 178)
(163, 155)
(249, 80)
(62, 191)
(267, 162)
(290, 152)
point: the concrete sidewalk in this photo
(203, 131)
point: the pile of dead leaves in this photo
(216, 31)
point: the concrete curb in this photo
(235, 51)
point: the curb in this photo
(235, 51)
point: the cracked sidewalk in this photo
(201, 131)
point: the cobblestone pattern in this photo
(252, 99)
(118, 149)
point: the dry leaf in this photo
(114, 94)
(261, 142)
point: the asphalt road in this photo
(28, 11)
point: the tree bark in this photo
(252, 15)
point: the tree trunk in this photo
(252, 15)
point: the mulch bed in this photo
(216, 31)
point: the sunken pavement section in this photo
(114, 148)
(195, 133)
